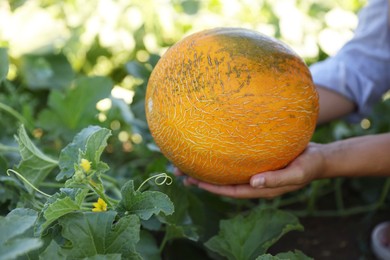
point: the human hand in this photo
(305, 168)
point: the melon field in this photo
(81, 176)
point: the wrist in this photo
(336, 159)
(327, 153)
(316, 161)
(357, 156)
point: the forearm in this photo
(332, 105)
(359, 156)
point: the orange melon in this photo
(227, 103)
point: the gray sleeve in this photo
(360, 71)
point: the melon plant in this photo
(87, 214)
(227, 103)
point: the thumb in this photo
(273, 179)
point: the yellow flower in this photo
(99, 206)
(85, 165)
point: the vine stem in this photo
(337, 213)
(163, 243)
(109, 179)
(101, 194)
(15, 114)
(7, 148)
(339, 194)
(27, 181)
(52, 185)
(350, 211)
(159, 179)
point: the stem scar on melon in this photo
(227, 103)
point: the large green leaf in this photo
(13, 241)
(76, 108)
(143, 204)
(242, 238)
(3, 64)
(53, 251)
(35, 165)
(93, 234)
(88, 144)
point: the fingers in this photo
(246, 191)
(177, 172)
(290, 176)
(188, 181)
(265, 185)
(305, 168)
(243, 191)
(285, 177)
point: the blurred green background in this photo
(67, 64)
(51, 43)
(99, 36)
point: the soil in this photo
(333, 238)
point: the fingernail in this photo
(258, 181)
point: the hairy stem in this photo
(101, 194)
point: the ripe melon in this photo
(227, 103)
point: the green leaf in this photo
(147, 246)
(190, 6)
(14, 4)
(11, 192)
(3, 64)
(127, 115)
(60, 208)
(16, 222)
(76, 108)
(46, 72)
(64, 202)
(247, 237)
(296, 255)
(143, 204)
(138, 70)
(181, 223)
(52, 251)
(35, 165)
(24, 119)
(92, 234)
(267, 257)
(13, 242)
(88, 144)
(104, 257)
(174, 231)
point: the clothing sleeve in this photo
(360, 71)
